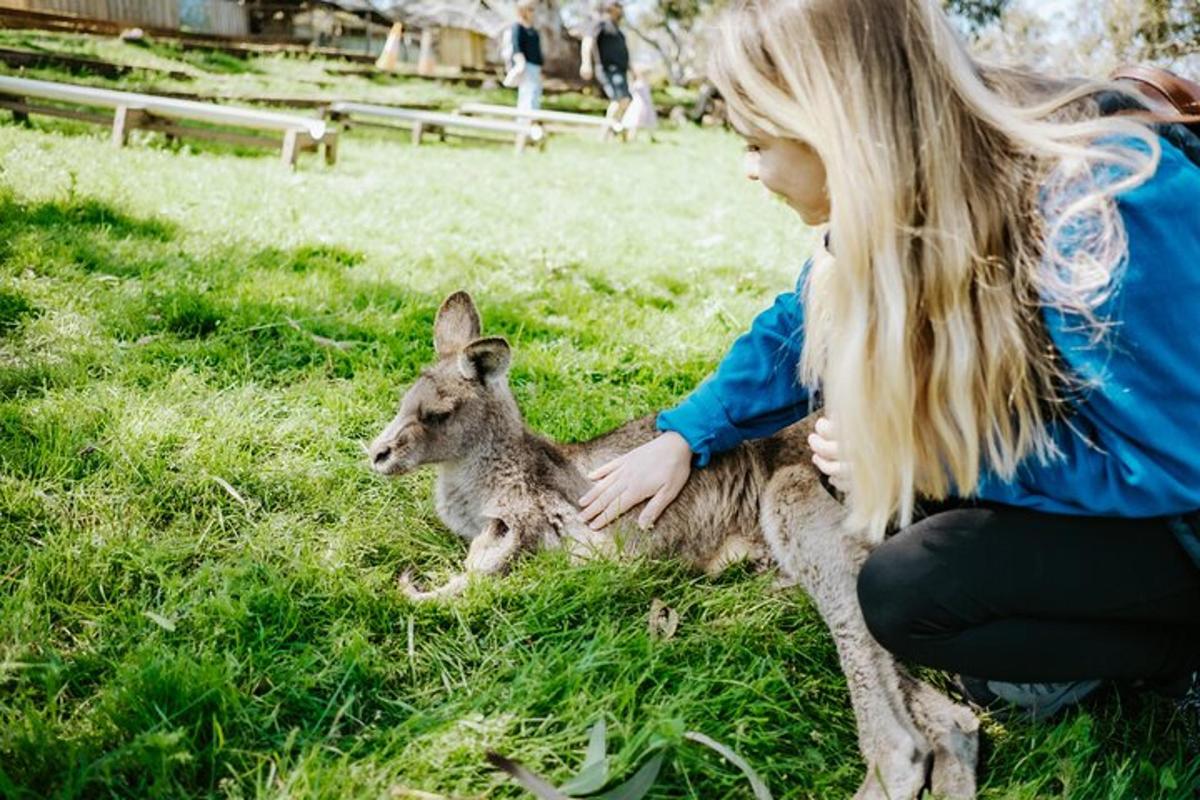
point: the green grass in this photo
(197, 571)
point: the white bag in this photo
(514, 76)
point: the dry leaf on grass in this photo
(664, 620)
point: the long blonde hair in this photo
(963, 201)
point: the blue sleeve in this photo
(1132, 446)
(754, 391)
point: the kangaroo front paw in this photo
(451, 588)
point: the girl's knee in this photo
(912, 585)
(885, 588)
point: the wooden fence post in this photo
(124, 120)
(331, 147)
(291, 147)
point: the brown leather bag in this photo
(1172, 97)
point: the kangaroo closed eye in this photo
(435, 417)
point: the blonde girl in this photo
(1003, 328)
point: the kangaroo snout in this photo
(388, 454)
(381, 454)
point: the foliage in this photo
(1168, 28)
(672, 28)
(1092, 37)
(977, 13)
(594, 775)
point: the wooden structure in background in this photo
(238, 27)
(347, 24)
(454, 37)
(215, 17)
(154, 13)
(439, 123)
(79, 65)
(462, 47)
(551, 120)
(220, 17)
(132, 110)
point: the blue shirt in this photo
(1131, 447)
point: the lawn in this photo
(197, 570)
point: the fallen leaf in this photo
(664, 620)
(228, 487)
(166, 624)
(594, 773)
(640, 784)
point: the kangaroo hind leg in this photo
(804, 530)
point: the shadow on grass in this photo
(14, 309)
(83, 233)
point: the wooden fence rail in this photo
(132, 110)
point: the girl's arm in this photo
(754, 391)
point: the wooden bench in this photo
(551, 120)
(151, 112)
(422, 122)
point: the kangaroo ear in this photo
(456, 324)
(484, 359)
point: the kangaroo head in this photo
(458, 404)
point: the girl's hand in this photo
(825, 455)
(656, 470)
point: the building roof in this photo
(364, 8)
(473, 15)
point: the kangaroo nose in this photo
(381, 455)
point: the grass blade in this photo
(597, 747)
(594, 773)
(590, 779)
(636, 787)
(761, 792)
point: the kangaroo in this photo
(510, 491)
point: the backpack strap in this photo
(1164, 90)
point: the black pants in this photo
(1016, 595)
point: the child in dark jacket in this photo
(525, 69)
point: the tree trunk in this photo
(559, 49)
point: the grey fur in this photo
(510, 491)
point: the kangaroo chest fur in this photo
(460, 499)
